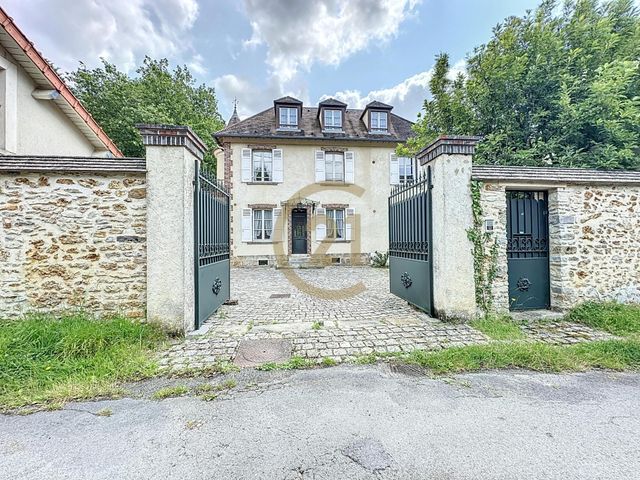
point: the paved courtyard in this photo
(337, 312)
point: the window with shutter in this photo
(405, 170)
(278, 165)
(320, 173)
(246, 165)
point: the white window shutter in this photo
(347, 231)
(246, 225)
(321, 211)
(246, 164)
(320, 171)
(394, 169)
(278, 165)
(277, 212)
(351, 212)
(349, 167)
(321, 231)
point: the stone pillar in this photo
(453, 276)
(173, 154)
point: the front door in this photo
(528, 250)
(299, 231)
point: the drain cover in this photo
(280, 295)
(252, 353)
(407, 369)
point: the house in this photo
(311, 184)
(39, 115)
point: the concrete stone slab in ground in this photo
(252, 353)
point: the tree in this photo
(547, 89)
(156, 95)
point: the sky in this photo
(258, 50)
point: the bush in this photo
(379, 259)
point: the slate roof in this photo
(263, 125)
(583, 176)
(32, 163)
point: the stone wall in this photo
(594, 240)
(73, 240)
(595, 244)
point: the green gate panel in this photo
(213, 288)
(411, 280)
(410, 240)
(528, 283)
(212, 244)
(528, 250)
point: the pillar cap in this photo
(448, 144)
(172, 136)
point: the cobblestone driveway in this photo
(270, 306)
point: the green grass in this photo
(44, 359)
(317, 325)
(612, 317)
(294, 363)
(611, 354)
(169, 392)
(328, 362)
(498, 328)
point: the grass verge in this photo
(498, 328)
(612, 317)
(46, 359)
(610, 354)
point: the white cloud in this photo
(298, 34)
(251, 98)
(406, 97)
(121, 31)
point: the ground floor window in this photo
(405, 167)
(262, 224)
(335, 223)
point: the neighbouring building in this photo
(311, 184)
(39, 115)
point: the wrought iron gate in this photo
(410, 273)
(528, 249)
(211, 227)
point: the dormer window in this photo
(379, 122)
(288, 118)
(332, 120)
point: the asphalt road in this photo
(344, 423)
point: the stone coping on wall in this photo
(448, 144)
(34, 163)
(495, 173)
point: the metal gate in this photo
(410, 272)
(211, 227)
(528, 249)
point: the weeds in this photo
(498, 328)
(615, 318)
(72, 357)
(169, 392)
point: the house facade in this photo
(39, 115)
(310, 184)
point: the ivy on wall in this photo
(485, 253)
